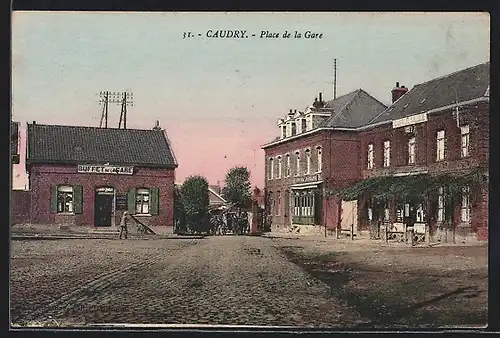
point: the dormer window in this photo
(304, 125)
(294, 129)
(283, 133)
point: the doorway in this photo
(104, 206)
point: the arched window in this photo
(319, 157)
(370, 156)
(297, 163)
(279, 167)
(308, 161)
(287, 166)
(271, 168)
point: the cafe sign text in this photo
(105, 169)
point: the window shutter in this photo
(153, 200)
(77, 199)
(53, 199)
(131, 201)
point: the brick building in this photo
(434, 135)
(89, 176)
(311, 157)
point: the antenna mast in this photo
(334, 79)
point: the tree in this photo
(194, 193)
(179, 212)
(237, 187)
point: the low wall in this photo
(20, 206)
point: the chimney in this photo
(157, 125)
(34, 122)
(295, 111)
(398, 91)
(320, 97)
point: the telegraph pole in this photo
(334, 79)
(120, 98)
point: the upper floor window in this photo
(319, 156)
(464, 131)
(411, 150)
(271, 168)
(387, 153)
(440, 145)
(370, 156)
(278, 175)
(283, 133)
(308, 161)
(297, 163)
(294, 128)
(304, 125)
(287, 165)
(465, 208)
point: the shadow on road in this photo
(394, 300)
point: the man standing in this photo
(123, 225)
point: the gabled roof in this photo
(215, 198)
(353, 110)
(464, 85)
(14, 138)
(78, 144)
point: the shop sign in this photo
(105, 169)
(307, 179)
(409, 120)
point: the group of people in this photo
(236, 222)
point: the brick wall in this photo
(43, 177)
(20, 207)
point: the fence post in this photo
(352, 232)
(405, 232)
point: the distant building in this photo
(434, 135)
(89, 176)
(14, 142)
(215, 195)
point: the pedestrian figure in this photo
(123, 225)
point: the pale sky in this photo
(219, 99)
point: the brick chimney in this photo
(398, 91)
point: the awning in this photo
(309, 185)
(408, 186)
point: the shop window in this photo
(142, 201)
(411, 150)
(319, 157)
(370, 156)
(440, 145)
(64, 199)
(297, 163)
(464, 131)
(465, 207)
(278, 174)
(387, 153)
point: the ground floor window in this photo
(465, 207)
(441, 206)
(64, 199)
(304, 206)
(410, 210)
(142, 201)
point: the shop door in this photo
(103, 208)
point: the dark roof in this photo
(464, 85)
(353, 110)
(14, 138)
(76, 144)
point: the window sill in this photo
(66, 213)
(142, 215)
